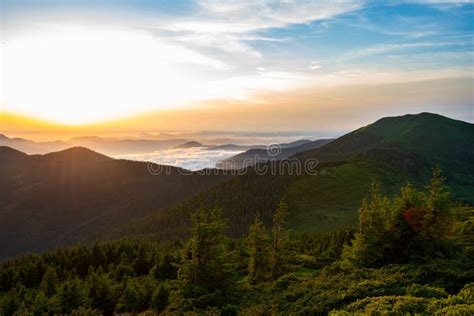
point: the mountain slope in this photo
(278, 152)
(411, 144)
(63, 197)
(347, 167)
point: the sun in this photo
(80, 74)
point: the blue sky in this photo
(245, 49)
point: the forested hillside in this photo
(385, 150)
(73, 195)
(408, 255)
(411, 144)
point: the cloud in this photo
(314, 65)
(385, 48)
(220, 49)
(229, 25)
(190, 159)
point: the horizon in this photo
(325, 67)
(69, 133)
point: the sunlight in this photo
(80, 74)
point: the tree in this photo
(101, 293)
(258, 248)
(10, 305)
(412, 226)
(165, 269)
(438, 205)
(49, 282)
(372, 243)
(131, 298)
(205, 267)
(40, 305)
(70, 296)
(279, 250)
(160, 299)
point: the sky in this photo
(326, 66)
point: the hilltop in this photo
(191, 144)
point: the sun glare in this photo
(79, 74)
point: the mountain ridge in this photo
(328, 199)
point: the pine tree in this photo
(205, 267)
(160, 299)
(413, 226)
(101, 294)
(371, 245)
(258, 248)
(438, 208)
(40, 305)
(165, 269)
(130, 300)
(279, 250)
(49, 282)
(70, 296)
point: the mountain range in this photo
(272, 152)
(77, 194)
(125, 146)
(385, 151)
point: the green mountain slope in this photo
(411, 144)
(385, 151)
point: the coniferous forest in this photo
(409, 254)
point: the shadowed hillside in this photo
(63, 197)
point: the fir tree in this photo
(101, 293)
(70, 296)
(160, 298)
(130, 300)
(205, 267)
(49, 282)
(258, 248)
(279, 250)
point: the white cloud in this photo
(314, 65)
(229, 25)
(148, 62)
(190, 158)
(356, 76)
(385, 48)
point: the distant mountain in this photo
(110, 146)
(106, 146)
(273, 152)
(393, 151)
(68, 196)
(31, 147)
(296, 143)
(233, 147)
(191, 144)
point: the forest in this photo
(409, 254)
